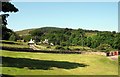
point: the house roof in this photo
(31, 41)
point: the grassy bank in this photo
(26, 63)
(13, 44)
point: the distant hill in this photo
(72, 37)
(24, 32)
(27, 31)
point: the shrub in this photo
(67, 48)
(63, 44)
(77, 49)
(48, 47)
(104, 47)
(60, 47)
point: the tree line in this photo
(77, 37)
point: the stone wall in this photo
(95, 53)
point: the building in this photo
(46, 41)
(31, 42)
(51, 44)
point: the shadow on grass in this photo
(5, 75)
(38, 64)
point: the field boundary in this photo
(42, 51)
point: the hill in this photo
(73, 37)
(27, 31)
(24, 32)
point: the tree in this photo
(6, 33)
(116, 43)
(6, 7)
(3, 18)
(89, 41)
(13, 37)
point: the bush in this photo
(26, 37)
(63, 44)
(67, 48)
(77, 49)
(83, 49)
(104, 47)
(48, 47)
(60, 47)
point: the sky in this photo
(65, 0)
(102, 16)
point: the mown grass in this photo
(27, 63)
(13, 44)
(45, 47)
(119, 65)
(79, 47)
(48, 47)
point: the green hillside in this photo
(24, 32)
(27, 31)
(31, 63)
(102, 40)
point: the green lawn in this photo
(44, 47)
(13, 44)
(119, 65)
(27, 63)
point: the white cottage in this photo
(31, 42)
(46, 41)
(51, 44)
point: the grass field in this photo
(119, 66)
(12, 44)
(44, 47)
(27, 63)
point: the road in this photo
(33, 47)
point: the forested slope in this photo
(74, 37)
